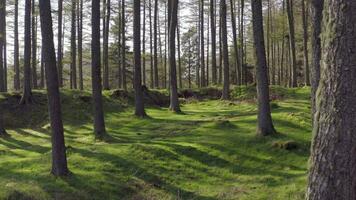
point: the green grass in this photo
(208, 152)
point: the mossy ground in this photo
(208, 152)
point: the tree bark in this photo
(80, 43)
(332, 163)
(202, 50)
(73, 47)
(99, 123)
(172, 24)
(225, 53)
(305, 44)
(106, 30)
(16, 48)
(292, 42)
(236, 49)
(2, 45)
(34, 45)
(59, 159)
(60, 44)
(316, 20)
(155, 54)
(213, 42)
(139, 102)
(27, 92)
(123, 46)
(264, 124)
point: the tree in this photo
(332, 164)
(99, 123)
(73, 48)
(34, 45)
(27, 92)
(139, 103)
(225, 51)
(202, 50)
(155, 54)
(213, 41)
(264, 124)
(59, 47)
(106, 30)
(236, 49)
(172, 24)
(16, 47)
(305, 44)
(292, 42)
(123, 45)
(80, 42)
(2, 45)
(316, 19)
(59, 159)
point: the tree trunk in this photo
(2, 44)
(172, 24)
(59, 159)
(316, 19)
(16, 48)
(236, 49)
(73, 47)
(213, 42)
(80, 44)
(264, 124)
(144, 44)
(179, 58)
(305, 44)
(202, 50)
(242, 63)
(225, 53)
(332, 164)
(34, 45)
(151, 45)
(139, 102)
(155, 54)
(27, 93)
(60, 44)
(292, 42)
(123, 46)
(106, 30)
(99, 123)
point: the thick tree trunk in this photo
(225, 53)
(144, 44)
(316, 19)
(172, 24)
(139, 103)
(27, 92)
(59, 159)
(264, 124)
(99, 123)
(16, 48)
(332, 173)
(202, 50)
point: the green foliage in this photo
(209, 152)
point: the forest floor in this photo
(210, 151)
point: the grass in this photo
(209, 152)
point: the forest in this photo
(177, 99)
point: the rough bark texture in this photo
(59, 159)
(172, 24)
(27, 93)
(225, 53)
(332, 164)
(139, 103)
(99, 123)
(264, 124)
(316, 12)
